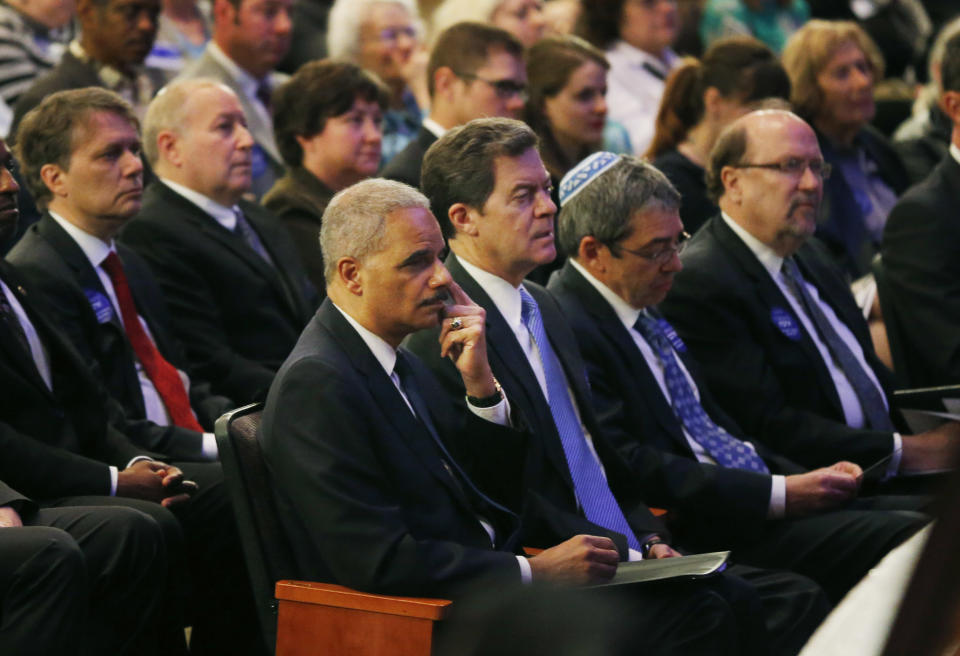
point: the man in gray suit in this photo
(249, 38)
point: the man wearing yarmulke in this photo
(620, 228)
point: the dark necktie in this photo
(164, 375)
(250, 237)
(723, 447)
(12, 322)
(589, 483)
(871, 401)
(409, 385)
(264, 95)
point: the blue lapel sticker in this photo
(785, 322)
(672, 335)
(102, 307)
(258, 161)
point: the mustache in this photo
(440, 297)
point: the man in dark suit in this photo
(621, 229)
(355, 434)
(103, 297)
(920, 245)
(229, 272)
(65, 441)
(782, 345)
(78, 580)
(498, 215)
(115, 38)
(474, 70)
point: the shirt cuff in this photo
(114, 475)
(526, 574)
(210, 451)
(778, 497)
(633, 554)
(498, 414)
(894, 465)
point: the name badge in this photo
(102, 307)
(785, 322)
(667, 330)
(258, 161)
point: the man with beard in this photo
(783, 346)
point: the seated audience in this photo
(701, 98)
(621, 229)
(488, 183)
(64, 440)
(355, 435)
(101, 294)
(328, 123)
(924, 138)
(522, 18)
(228, 270)
(250, 37)
(921, 244)
(475, 70)
(115, 37)
(78, 579)
(33, 36)
(182, 35)
(769, 318)
(384, 37)
(832, 68)
(769, 21)
(636, 35)
(560, 16)
(309, 39)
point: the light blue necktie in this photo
(723, 447)
(589, 483)
(874, 409)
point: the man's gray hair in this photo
(354, 223)
(166, 111)
(604, 207)
(345, 20)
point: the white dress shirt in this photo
(386, 355)
(434, 128)
(634, 92)
(225, 216)
(628, 316)
(852, 410)
(96, 251)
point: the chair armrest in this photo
(925, 398)
(328, 594)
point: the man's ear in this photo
(348, 270)
(168, 148)
(85, 11)
(54, 178)
(443, 80)
(730, 176)
(223, 12)
(464, 219)
(950, 104)
(590, 253)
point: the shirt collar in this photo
(385, 354)
(246, 81)
(636, 57)
(95, 249)
(111, 77)
(955, 152)
(624, 311)
(504, 295)
(433, 127)
(225, 216)
(767, 256)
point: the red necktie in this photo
(163, 374)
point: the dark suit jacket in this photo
(236, 316)
(550, 509)
(841, 226)
(367, 500)
(921, 255)
(55, 266)
(405, 166)
(55, 443)
(13, 499)
(775, 386)
(638, 419)
(298, 200)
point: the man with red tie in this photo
(102, 294)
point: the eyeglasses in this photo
(392, 34)
(505, 89)
(793, 166)
(664, 255)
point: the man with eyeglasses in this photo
(783, 347)
(621, 231)
(475, 70)
(492, 197)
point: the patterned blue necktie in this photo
(874, 409)
(250, 236)
(589, 483)
(723, 447)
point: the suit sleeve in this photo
(13, 499)
(318, 429)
